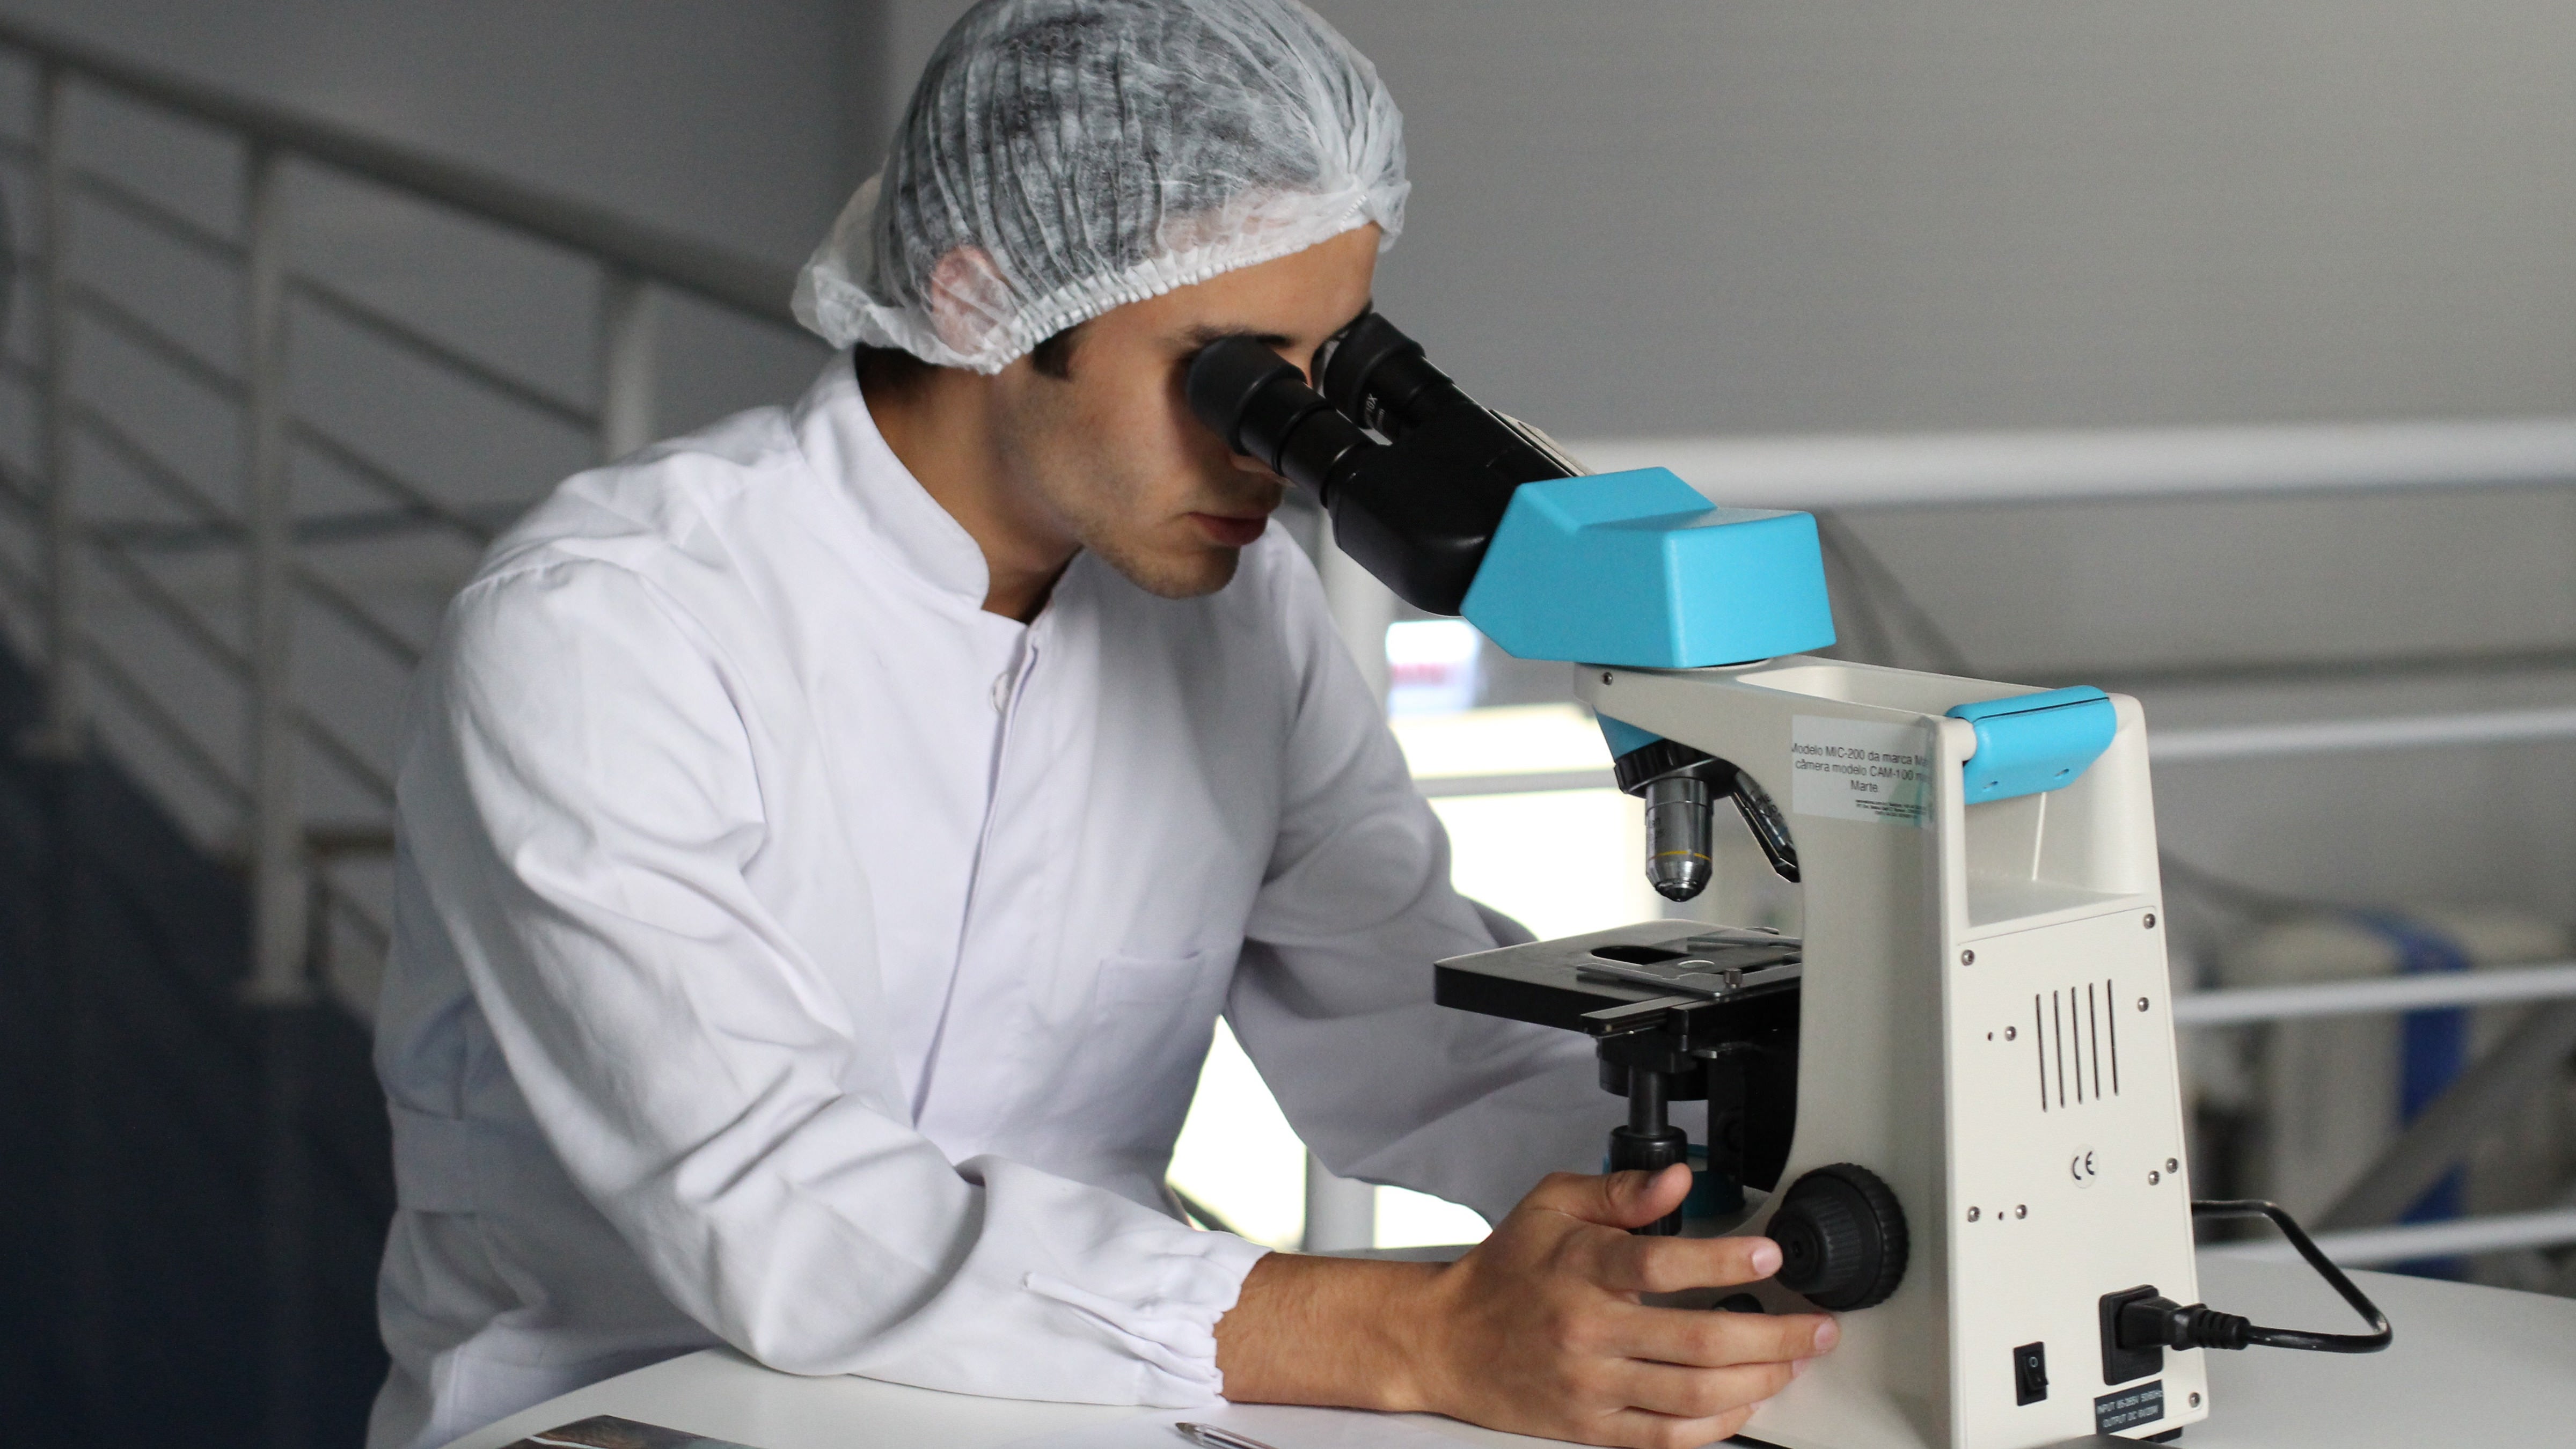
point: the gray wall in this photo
(1867, 214)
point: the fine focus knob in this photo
(1841, 1237)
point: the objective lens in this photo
(1677, 836)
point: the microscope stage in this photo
(1559, 983)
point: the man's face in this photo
(1112, 458)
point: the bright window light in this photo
(1237, 1154)
(1431, 666)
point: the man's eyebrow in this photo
(1207, 332)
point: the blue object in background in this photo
(1637, 569)
(2034, 742)
(2433, 1050)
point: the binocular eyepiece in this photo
(1370, 375)
(1415, 474)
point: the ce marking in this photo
(2081, 1167)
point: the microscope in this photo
(1954, 1100)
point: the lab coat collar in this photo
(841, 440)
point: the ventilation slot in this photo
(2039, 1043)
(2111, 1011)
(2066, 1033)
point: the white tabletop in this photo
(2470, 1366)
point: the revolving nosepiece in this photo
(1677, 836)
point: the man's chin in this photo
(1175, 574)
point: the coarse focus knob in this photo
(1842, 1238)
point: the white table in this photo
(2470, 1367)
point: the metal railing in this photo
(293, 895)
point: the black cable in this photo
(2351, 1293)
(2157, 1321)
(1195, 1211)
(8, 268)
(1872, 642)
(1876, 582)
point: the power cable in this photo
(1875, 582)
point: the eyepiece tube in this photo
(1260, 404)
(1375, 373)
(1678, 811)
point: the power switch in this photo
(2030, 1373)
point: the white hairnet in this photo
(1064, 157)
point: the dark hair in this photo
(1054, 356)
(897, 368)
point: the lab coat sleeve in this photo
(1333, 998)
(580, 798)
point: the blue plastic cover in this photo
(1625, 738)
(1637, 569)
(2035, 742)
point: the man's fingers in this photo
(1703, 1338)
(1673, 1265)
(1642, 1429)
(1700, 1393)
(1614, 1200)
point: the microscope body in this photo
(1985, 1022)
(1958, 1092)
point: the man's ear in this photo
(969, 299)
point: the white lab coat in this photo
(791, 955)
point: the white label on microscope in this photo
(1858, 769)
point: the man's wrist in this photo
(1414, 1319)
(1347, 1332)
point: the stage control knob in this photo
(1842, 1238)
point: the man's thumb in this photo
(1617, 1199)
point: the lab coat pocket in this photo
(1138, 1059)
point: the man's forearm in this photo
(1336, 1331)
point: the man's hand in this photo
(1538, 1330)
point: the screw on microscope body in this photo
(2195, 1401)
(1967, 958)
(2022, 1210)
(1605, 676)
(2172, 1166)
(2012, 1033)
(2151, 920)
(2154, 1177)
(2142, 1003)
(1972, 1215)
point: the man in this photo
(827, 841)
